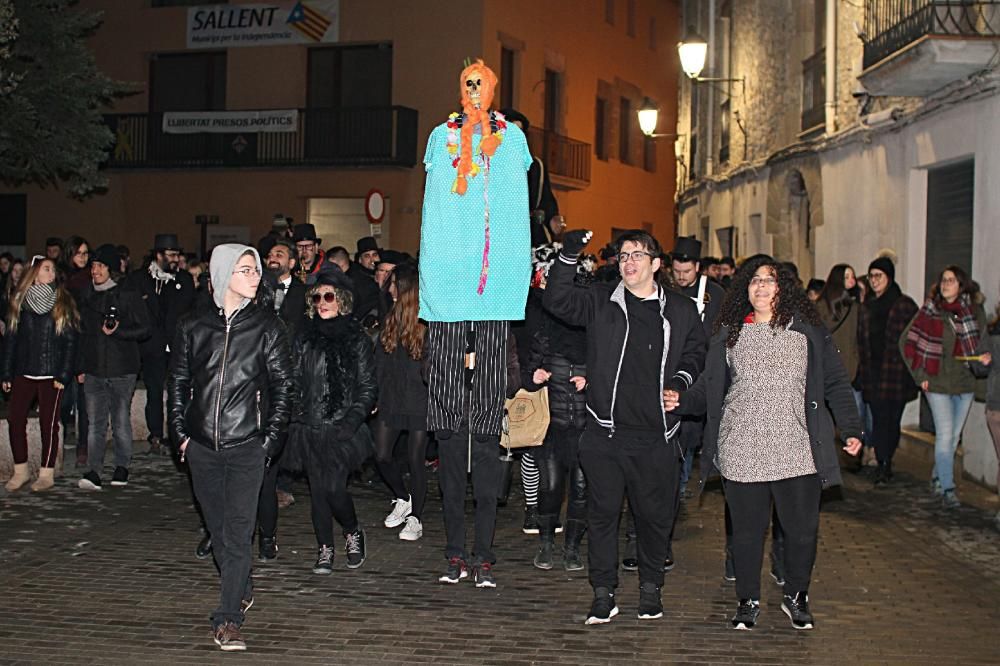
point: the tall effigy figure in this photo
(475, 269)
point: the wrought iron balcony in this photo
(937, 41)
(350, 137)
(567, 160)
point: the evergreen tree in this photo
(51, 97)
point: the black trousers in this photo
(558, 459)
(267, 505)
(416, 447)
(154, 378)
(227, 484)
(647, 471)
(796, 501)
(330, 500)
(453, 478)
(886, 417)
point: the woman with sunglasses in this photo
(938, 344)
(771, 355)
(328, 438)
(38, 359)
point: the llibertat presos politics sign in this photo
(266, 24)
(230, 122)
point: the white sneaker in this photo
(400, 510)
(413, 530)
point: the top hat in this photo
(391, 257)
(367, 243)
(166, 242)
(687, 249)
(305, 232)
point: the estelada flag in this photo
(308, 21)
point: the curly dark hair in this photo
(790, 301)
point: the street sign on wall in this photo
(266, 24)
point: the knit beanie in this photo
(885, 265)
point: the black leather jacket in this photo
(34, 349)
(335, 373)
(117, 354)
(231, 380)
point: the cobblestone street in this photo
(110, 578)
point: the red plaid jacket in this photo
(891, 380)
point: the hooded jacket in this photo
(601, 309)
(231, 377)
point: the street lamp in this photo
(693, 50)
(648, 116)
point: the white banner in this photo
(270, 24)
(230, 122)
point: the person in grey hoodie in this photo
(231, 391)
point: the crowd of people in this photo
(291, 363)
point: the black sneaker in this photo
(482, 574)
(571, 559)
(455, 572)
(530, 519)
(669, 563)
(120, 477)
(90, 481)
(650, 604)
(355, 547)
(631, 560)
(796, 607)
(268, 549)
(746, 614)
(324, 561)
(543, 559)
(730, 574)
(204, 549)
(603, 608)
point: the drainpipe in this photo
(710, 136)
(831, 67)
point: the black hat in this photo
(391, 257)
(330, 274)
(52, 240)
(305, 232)
(687, 249)
(366, 244)
(108, 255)
(816, 284)
(166, 242)
(885, 265)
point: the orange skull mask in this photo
(476, 86)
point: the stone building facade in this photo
(857, 126)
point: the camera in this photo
(111, 318)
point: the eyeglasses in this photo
(247, 272)
(635, 255)
(327, 296)
(872, 277)
(950, 280)
(767, 281)
(305, 246)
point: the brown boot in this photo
(21, 477)
(46, 479)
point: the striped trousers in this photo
(449, 402)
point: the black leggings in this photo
(331, 501)
(797, 503)
(416, 443)
(557, 459)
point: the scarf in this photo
(923, 342)
(41, 298)
(878, 319)
(108, 284)
(160, 276)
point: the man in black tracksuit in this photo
(641, 340)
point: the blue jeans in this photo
(949, 412)
(109, 396)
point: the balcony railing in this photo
(893, 24)
(356, 137)
(567, 160)
(813, 90)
